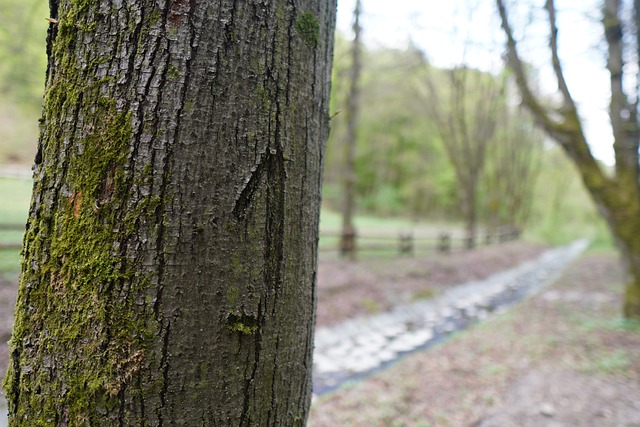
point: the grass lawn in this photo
(331, 222)
(15, 195)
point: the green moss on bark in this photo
(632, 301)
(309, 29)
(79, 337)
(81, 318)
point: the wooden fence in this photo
(409, 244)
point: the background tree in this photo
(617, 196)
(466, 114)
(513, 164)
(169, 257)
(347, 244)
(400, 163)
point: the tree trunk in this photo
(169, 260)
(617, 197)
(466, 120)
(348, 238)
(623, 217)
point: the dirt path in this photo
(561, 358)
(353, 289)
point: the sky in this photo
(440, 29)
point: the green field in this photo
(15, 195)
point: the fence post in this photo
(516, 232)
(406, 243)
(487, 238)
(502, 234)
(348, 244)
(469, 241)
(444, 243)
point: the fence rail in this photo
(408, 243)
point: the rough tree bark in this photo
(169, 261)
(617, 196)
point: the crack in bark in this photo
(243, 202)
(245, 418)
(164, 365)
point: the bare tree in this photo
(512, 168)
(466, 112)
(348, 242)
(617, 196)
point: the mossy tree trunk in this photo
(169, 259)
(617, 196)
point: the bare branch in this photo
(540, 113)
(568, 131)
(569, 105)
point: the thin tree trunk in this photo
(466, 120)
(348, 243)
(169, 260)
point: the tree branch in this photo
(569, 105)
(568, 132)
(540, 113)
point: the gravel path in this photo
(358, 347)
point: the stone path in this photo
(359, 347)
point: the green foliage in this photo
(398, 154)
(22, 51)
(22, 74)
(402, 169)
(562, 209)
